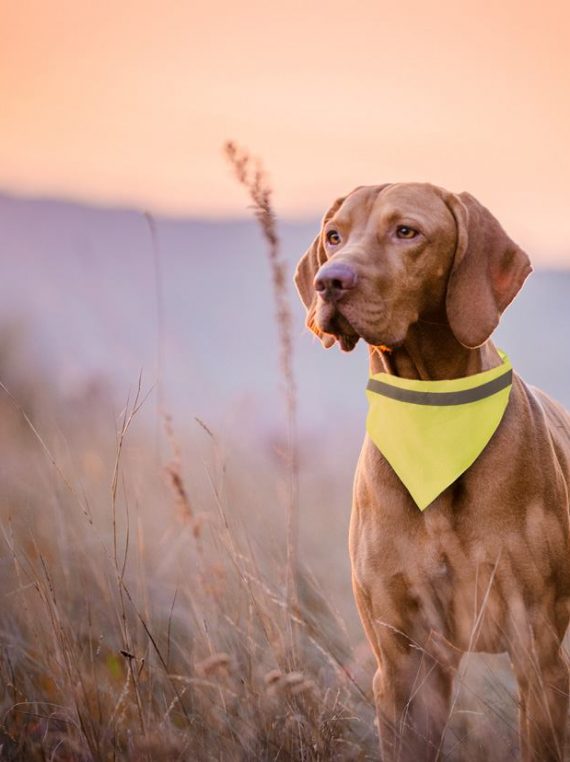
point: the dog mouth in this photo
(336, 324)
(347, 331)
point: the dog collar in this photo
(430, 432)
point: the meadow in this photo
(145, 612)
(181, 592)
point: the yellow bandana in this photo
(430, 432)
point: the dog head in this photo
(388, 255)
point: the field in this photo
(145, 613)
(182, 592)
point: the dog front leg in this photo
(412, 696)
(412, 691)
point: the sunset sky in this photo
(129, 103)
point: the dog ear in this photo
(306, 271)
(488, 271)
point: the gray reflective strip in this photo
(441, 398)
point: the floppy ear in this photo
(488, 271)
(306, 271)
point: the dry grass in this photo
(141, 621)
(252, 176)
(144, 615)
(138, 627)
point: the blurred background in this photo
(112, 112)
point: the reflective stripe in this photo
(441, 398)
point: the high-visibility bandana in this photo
(430, 432)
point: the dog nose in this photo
(334, 280)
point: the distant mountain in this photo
(84, 281)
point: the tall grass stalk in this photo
(251, 175)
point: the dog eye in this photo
(403, 231)
(333, 237)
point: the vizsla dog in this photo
(422, 275)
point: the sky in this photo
(129, 103)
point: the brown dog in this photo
(425, 273)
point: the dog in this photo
(422, 275)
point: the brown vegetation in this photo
(144, 613)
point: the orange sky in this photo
(129, 103)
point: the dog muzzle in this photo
(430, 432)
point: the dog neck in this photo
(431, 352)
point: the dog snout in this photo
(334, 280)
